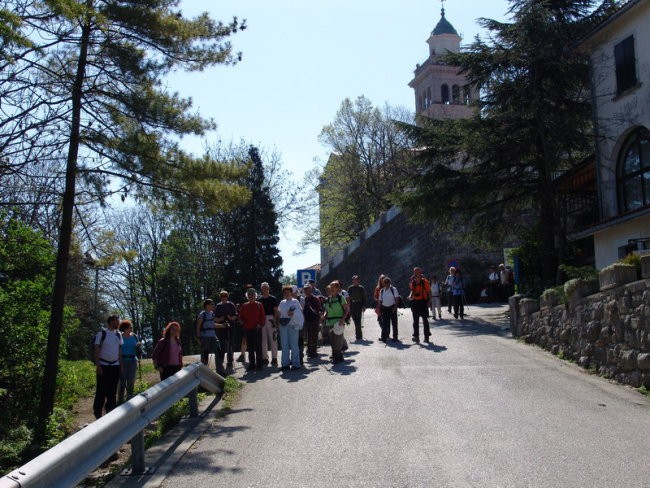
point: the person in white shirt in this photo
(387, 309)
(291, 322)
(108, 354)
(436, 293)
(447, 284)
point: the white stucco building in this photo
(619, 49)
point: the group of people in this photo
(116, 353)
(424, 295)
(298, 323)
(500, 284)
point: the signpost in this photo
(304, 275)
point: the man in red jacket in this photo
(253, 319)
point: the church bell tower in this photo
(440, 91)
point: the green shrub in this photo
(633, 260)
(75, 380)
(12, 446)
(556, 290)
(579, 272)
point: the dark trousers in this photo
(210, 345)
(419, 308)
(356, 310)
(388, 317)
(459, 309)
(301, 344)
(169, 371)
(106, 390)
(312, 328)
(225, 349)
(450, 301)
(254, 347)
(493, 292)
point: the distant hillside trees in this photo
(364, 171)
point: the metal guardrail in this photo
(69, 462)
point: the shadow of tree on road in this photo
(472, 327)
(206, 462)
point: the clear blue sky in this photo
(301, 58)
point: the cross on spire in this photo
(442, 10)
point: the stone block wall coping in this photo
(645, 266)
(528, 306)
(616, 275)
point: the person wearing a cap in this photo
(336, 309)
(270, 329)
(315, 291)
(357, 295)
(252, 318)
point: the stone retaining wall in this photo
(393, 246)
(608, 332)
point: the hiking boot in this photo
(274, 362)
(241, 358)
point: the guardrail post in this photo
(194, 403)
(137, 453)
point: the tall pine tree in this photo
(89, 96)
(252, 235)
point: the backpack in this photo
(339, 301)
(399, 300)
(91, 350)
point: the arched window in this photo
(428, 96)
(634, 171)
(444, 93)
(455, 93)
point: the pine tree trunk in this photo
(48, 391)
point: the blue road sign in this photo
(304, 275)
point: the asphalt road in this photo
(477, 409)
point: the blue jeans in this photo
(289, 341)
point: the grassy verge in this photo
(645, 391)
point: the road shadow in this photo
(218, 429)
(344, 368)
(472, 327)
(205, 461)
(399, 345)
(433, 347)
(362, 342)
(259, 374)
